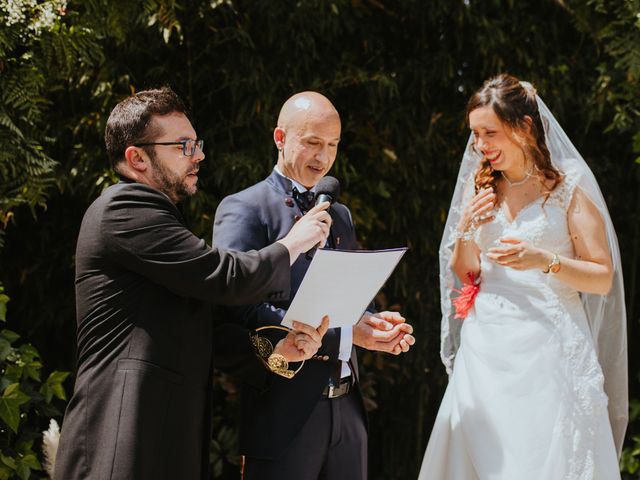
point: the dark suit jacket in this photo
(140, 407)
(251, 219)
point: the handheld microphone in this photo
(327, 190)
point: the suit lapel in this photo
(281, 184)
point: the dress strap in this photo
(563, 193)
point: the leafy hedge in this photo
(26, 403)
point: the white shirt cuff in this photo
(346, 342)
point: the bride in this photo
(538, 389)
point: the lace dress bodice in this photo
(543, 223)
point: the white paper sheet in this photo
(341, 284)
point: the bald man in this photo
(312, 426)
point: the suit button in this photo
(288, 202)
(296, 217)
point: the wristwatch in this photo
(554, 265)
(263, 349)
(278, 364)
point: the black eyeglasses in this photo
(188, 146)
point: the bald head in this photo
(305, 106)
(307, 137)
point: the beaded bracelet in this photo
(467, 234)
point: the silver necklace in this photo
(526, 178)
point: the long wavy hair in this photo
(512, 103)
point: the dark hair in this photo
(131, 121)
(512, 103)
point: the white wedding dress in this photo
(525, 400)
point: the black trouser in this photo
(332, 445)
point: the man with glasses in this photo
(144, 284)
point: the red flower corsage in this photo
(467, 297)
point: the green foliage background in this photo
(399, 72)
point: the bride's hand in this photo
(519, 255)
(478, 210)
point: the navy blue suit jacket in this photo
(252, 219)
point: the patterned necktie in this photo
(305, 200)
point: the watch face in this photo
(278, 362)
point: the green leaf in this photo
(32, 461)
(9, 335)
(32, 370)
(382, 190)
(12, 373)
(53, 386)
(23, 471)
(58, 377)
(26, 463)
(5, 472)
(636, 143)
(25, 448)
(10, 403)
(4, 382)
(28, 352)
(4, 299)
(8, 461)
(5, 349)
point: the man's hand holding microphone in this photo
(311, 230)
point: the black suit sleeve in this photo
(233, 354)
(142, 230)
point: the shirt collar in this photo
(298, 185)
